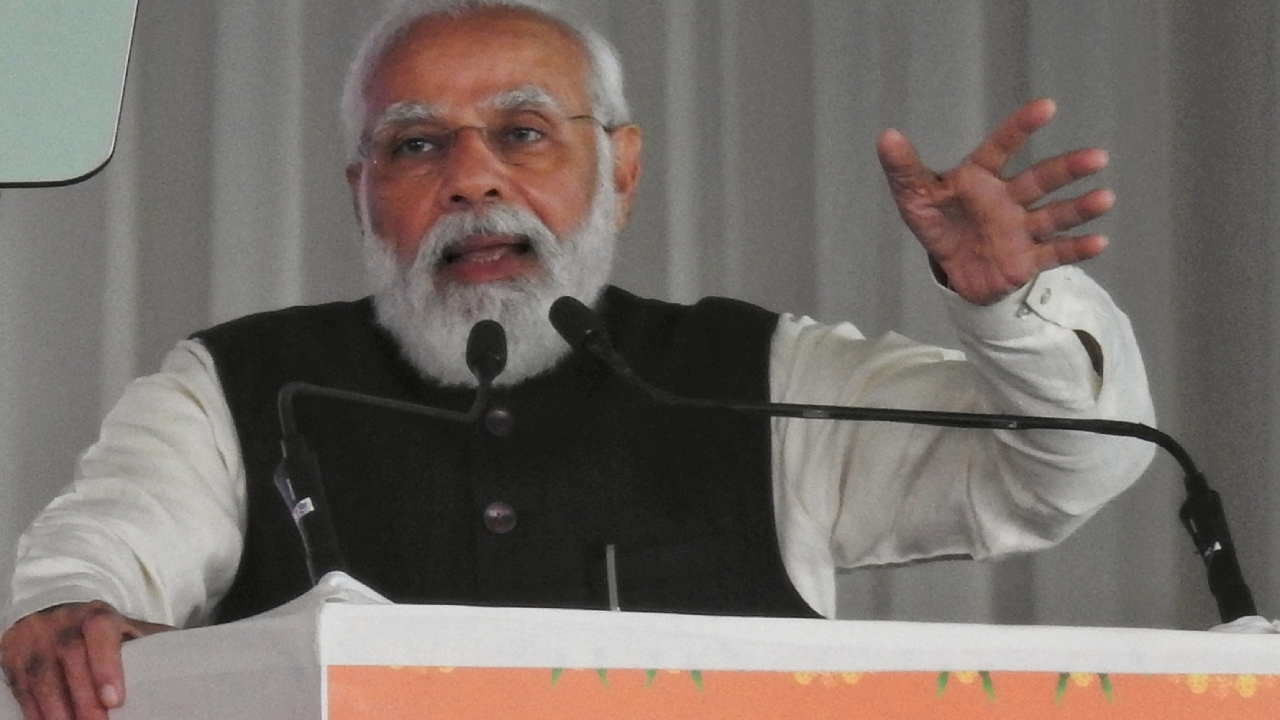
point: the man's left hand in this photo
(983, 231)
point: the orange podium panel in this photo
(401, 693)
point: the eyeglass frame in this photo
(448, 140)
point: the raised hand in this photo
(64, 662)
(987, 233)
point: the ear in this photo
(355, 172)
(626, 167)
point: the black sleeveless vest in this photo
(583, 462)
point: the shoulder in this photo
(299, 318)
(323, 344)
(305, 329)
(714, 347)
(629, 316)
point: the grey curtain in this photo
(226, 196)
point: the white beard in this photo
(431, 321)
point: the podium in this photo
(342, 653)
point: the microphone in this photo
(486, 351)
(297, 478)
(1201, 513)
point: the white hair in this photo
(609, 104)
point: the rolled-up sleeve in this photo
(865, 493)
(153, 522)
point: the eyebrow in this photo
(408, 111)
(525, 96)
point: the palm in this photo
(983, 231)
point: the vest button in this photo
(499, 518)
(498, 421)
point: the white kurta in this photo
(154, 521)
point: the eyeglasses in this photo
(532, 139)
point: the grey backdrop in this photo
(226, 196)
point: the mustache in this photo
(453, 229)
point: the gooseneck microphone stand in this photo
(1201, 512)
(297, 477)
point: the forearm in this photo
(153, 522)
(1041, 364)
(882, 493)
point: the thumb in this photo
(901, 162)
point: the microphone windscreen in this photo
(575, 322)
(486, 350)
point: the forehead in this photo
(456, 63)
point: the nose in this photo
(474, 175)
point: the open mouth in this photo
(486, 249)
(488, 258)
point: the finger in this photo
(103, 633)
(1046, 176)
(10, 678)
(901, 163)
(30, 709)
(1011, 134)
(1064, 250)
(1058, 217)
(27, 703)
(44, 681)
(79, 681)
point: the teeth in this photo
(486, 256)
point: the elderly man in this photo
(492, 164)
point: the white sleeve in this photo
(154, 521)
(862, 493)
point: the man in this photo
(492, 164)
